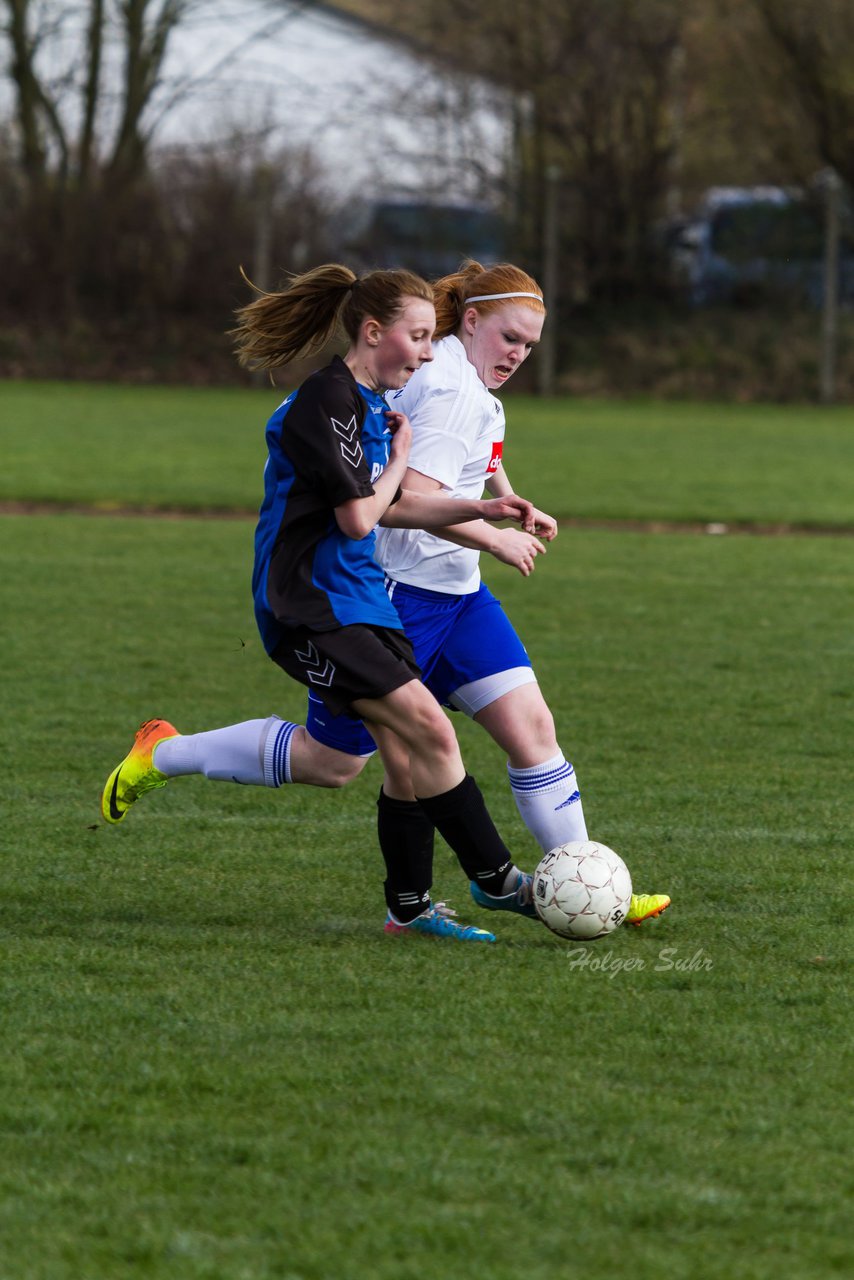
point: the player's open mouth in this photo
(502, 371)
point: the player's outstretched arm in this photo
(424, 511)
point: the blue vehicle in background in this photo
(427, 237)
(746, 244)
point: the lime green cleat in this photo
(136, 774)
(644, 906)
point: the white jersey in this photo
(457, 439)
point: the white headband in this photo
(493, 297)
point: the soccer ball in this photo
(582, 890)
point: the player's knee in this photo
(540, 729)
(343, 769)
(529, 731)
(317, 765)
(422, 724)
(437, 733)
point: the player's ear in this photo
(470, 319)
(372, 331)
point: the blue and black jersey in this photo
(327, 443)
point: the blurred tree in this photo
(591, 85)
(813, 44)
(81, 176)
(61, 114)
(622, 110)
(769, 96)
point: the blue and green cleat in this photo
(439, 921)
(520, 900)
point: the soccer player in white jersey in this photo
(488, 321)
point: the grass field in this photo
(198, 448)
(214, 1065)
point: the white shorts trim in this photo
(473, 697)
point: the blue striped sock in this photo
(277, 753)
(549, 802)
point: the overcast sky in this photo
(311, 77)
(368, 108)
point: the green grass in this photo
(214, 1065)
(73, 442)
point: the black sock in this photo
(406, 840)
(462, 818)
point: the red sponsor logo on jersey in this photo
(495, 460)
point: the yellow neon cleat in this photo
(644, 906)
(136, 774)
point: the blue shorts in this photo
(466, 648)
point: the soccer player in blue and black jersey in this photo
(336, 457)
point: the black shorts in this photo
(358, 661)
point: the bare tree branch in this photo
(29, 94)
(92, 89)
(145, 40)
(815, 43)
(192, 84)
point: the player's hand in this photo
(401, 434)
(395, 419)
(514, 508)
(518, 549)
(545, 526)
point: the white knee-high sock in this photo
(549, 802)
(256, 753)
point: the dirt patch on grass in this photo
(755, 528)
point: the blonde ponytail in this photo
(277, 327)
(301, 318)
